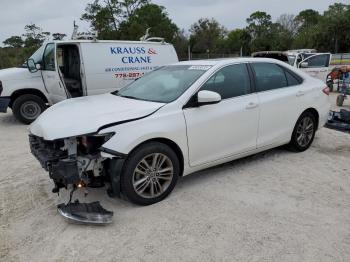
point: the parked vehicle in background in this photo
(339, 78)
(66, 69)
(315, 64)
(177, 120)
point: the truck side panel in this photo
(111, 66)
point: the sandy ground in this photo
(274, 206)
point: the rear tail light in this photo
(326, 90)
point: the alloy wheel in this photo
(305, 131)
(153, 175)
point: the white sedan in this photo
(177, 120)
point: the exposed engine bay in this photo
(74, 163)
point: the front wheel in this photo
(27, 108)
(150, 173)
(303, 133)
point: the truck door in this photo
(51, 78)
(316, 65)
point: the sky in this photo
(58, 15)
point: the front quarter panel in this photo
(162, 124)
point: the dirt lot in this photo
(274, 206)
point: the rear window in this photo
(269, 76)
(292, 78)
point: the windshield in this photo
(38, 55)
(163, 85)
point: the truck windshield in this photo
(163, 85)
(38, 55)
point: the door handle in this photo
(300, 93)
(251, 105)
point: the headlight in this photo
(1, 88)
(91, 144)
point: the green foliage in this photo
(148, 16)
(207, 35)
(18, 49)
(105, 17)
(14, 41)
(58, 36)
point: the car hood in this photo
(85, 115)
(15, 73)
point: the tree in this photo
(206, 35)
(148, 16)
(34, 36)
(106, 16)
(181, 43)
(58, 36)
(288, 23)
(260, 30)
(237, 39)
(307, 18)
(14, 42)
(335, 24)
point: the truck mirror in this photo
(32, 66)
(304, 65)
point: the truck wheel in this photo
(340, 100)
(150, 173)
(27, 108)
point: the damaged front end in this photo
(78, 162)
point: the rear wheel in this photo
(27, 108)
(150, 173)
(340, 100)
(303, 133)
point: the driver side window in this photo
(49, 58)
(231, 81)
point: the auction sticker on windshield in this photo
(202, 68)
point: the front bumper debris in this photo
(63, 169)
(85, 213)
(4, 103)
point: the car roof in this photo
(224, 61)
(107, 41)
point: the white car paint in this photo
(206, 135)
(92, 112)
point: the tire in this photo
(137, 187)
(27, 108)
(303, 135)
(340, 100)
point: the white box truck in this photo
(66, 69)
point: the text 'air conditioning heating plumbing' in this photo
(143, 55)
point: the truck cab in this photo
(61, 70)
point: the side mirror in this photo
(32, 67)
(205, 97)
(304, 65)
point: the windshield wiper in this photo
(131, 97)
